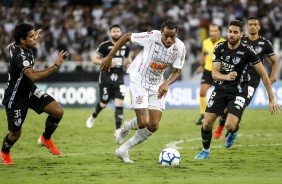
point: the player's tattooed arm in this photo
(174, 75)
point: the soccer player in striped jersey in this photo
(147, 87)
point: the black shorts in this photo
(111, 91)
(16, 116)
(251, 92)
(234, 102)
(207, 77)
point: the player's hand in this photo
(61, 57)
(273, 107)
(106, 64)
(232, 76)
(272, 79)
(163, 89)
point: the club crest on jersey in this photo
(235, 59)
(173, 56)
(105, 97)
(210, 103)
(258, 49)
(18, 121)
(139, 99)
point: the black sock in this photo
(97, 110)
(118, 116)
(51, 125)
(206, 138)
(222, 119)
(7, 144)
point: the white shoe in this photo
(90, 121)
(124, 156)
(120, 136)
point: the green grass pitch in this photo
(87, 155)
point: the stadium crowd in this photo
(80, 26)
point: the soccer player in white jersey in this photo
(147, 88)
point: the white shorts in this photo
(145, 97)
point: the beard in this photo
(233, 42)
(115, 39)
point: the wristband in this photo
(57, 66)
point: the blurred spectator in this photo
(79, 26)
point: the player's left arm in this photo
(163, 89)
(273, 106)
(274, 69)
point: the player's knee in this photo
(231, 127)
(58, 113)
(152, 127)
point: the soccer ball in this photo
(169, 157)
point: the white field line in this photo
(172, 144)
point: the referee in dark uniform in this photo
(22, 94)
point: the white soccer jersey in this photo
(148, 67)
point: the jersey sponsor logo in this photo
(114, 77)
(235, 59)
(260, 43)
(157, 66)
(239, 102)
(139, 99)
(143, 36)
(26, 63)
(240, 53)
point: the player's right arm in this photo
(34, 75)
(107, 61)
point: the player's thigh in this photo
(154, 102)
(217, 103)
(39, 100)
(236, 105)
(54, 109)
(105, 93)
(16, 117)
(139, 96)
(118, 94)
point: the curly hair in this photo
(21, 31)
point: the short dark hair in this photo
(253, 18)
(169, 24)
(21, 31)
(115, 25)
(237, 23)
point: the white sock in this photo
(130, 125)
(207, 150)
(140, 136)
